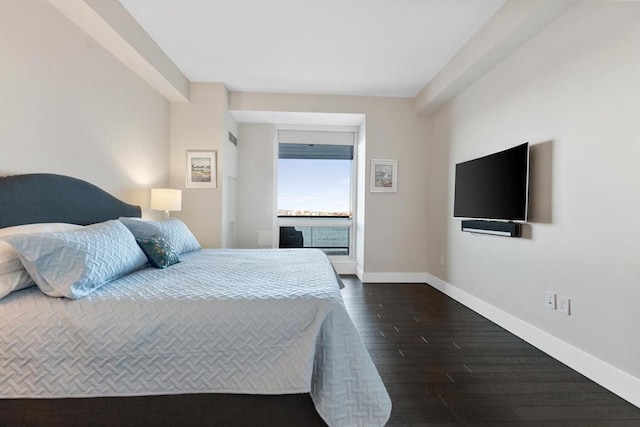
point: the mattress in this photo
(220, 321)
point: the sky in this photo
(315, 185)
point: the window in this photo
(315, 191)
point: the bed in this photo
(265, 331)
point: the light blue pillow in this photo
(173, 230)
(74, 264)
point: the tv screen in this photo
(494, 186)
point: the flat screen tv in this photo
(493, 187)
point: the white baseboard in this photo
(617, 381)
(348, 267)
(393, 277)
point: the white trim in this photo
(276, 230)
(318, 128)
(344, 267)
(392, 277)
(316, 137)
(608, 376)
(353, 197)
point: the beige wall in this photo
(200, 125)
(395, 238)
(574, 93)
(69, 107)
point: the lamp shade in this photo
(166, 199)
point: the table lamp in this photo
(166, 199)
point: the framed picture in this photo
(201, 169)
(384, 176)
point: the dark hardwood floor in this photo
(445, 365)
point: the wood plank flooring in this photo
(445, 365)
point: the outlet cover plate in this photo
(550, 300)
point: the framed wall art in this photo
(201, 169)
(384, 176)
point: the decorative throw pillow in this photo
(74, 264)
(13, 276)
(159, 251)
(173, 230)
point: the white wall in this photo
(229, 181)
(361, 207)
(395, 240)
(573, 92)
(256, 145)
(67, 106)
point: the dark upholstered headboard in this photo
(41, 197)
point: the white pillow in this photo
(13, 276)
(74, 264)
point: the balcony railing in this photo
(332, 234)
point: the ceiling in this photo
(347, 47)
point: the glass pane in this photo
(331, 240)
(314, 187)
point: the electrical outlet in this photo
(442, 260)
(550, 300)
(565, 305)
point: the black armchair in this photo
(291, 238)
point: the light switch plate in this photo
(565, 305)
